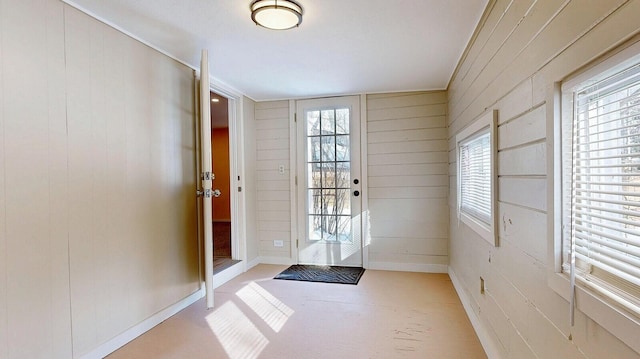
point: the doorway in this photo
(329, 194)
(221, 207)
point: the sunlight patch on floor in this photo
(269, 308)
(239, 337)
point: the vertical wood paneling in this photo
(97, 212)
(131, 168)
(35, 260)
(407, 178)
(58, 181)
(515, 60)
(4, 330)
(273, 188)
(116, 163)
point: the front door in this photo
(329, 181)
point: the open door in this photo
(206, 175)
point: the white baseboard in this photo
(408, 267)
(227, 275)
(275, 260)
(485, 339)
(142, 327)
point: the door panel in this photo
(329, 181)
(205, 147)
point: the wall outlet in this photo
(278, 243)
(281, 169)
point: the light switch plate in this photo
(278, 243)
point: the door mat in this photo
(325, 274)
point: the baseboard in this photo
(485, 339)
(142, 327)
(409, 267)
(227, 275)
(276, 260)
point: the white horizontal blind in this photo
(605, 187)
(475, 177)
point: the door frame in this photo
(236, 166)
(293, 179)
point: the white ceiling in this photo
(341, 47)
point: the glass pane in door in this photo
(328, 175)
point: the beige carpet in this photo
(388, 315)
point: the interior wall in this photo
(132, 173)
(97, 204)
(273, 191)
(521, 49)
(35, 191)
(250, 192)
(220, 155)
(407, 167)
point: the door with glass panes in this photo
(329, 215)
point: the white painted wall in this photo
(273, 188)
(97, 181)
(521, 48)
(407, 167)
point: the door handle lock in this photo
(356, 193)
(216, 193)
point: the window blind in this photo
(602, 188)
(475, 180)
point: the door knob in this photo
(216, 193)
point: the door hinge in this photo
(296, 180)
(207, 176)
(295, 117)
(296, 243)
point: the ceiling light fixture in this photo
(276, 14)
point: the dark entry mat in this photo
(325, 274)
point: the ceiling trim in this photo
(217, 83)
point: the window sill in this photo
(621, 324)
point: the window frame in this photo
(487, 122)
(619, 322)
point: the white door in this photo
(329, 181)
(206, 176)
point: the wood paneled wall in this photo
(407, 180)
(273, 191)
(35, 317)
(250, 180)
(521, 49)
(97, 181)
